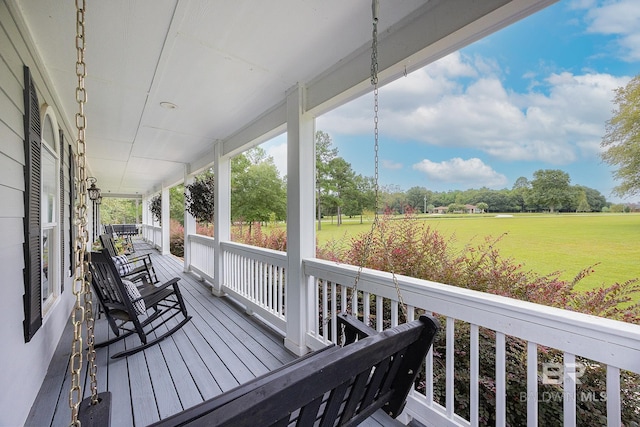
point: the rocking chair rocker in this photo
(131, 310)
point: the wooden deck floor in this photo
(219, 349)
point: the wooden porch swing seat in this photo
(135, 310)
(132, 268)
(334, 386)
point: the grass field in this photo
(543, 243)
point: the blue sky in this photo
(535, 95)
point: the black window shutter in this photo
(61, 220)
(32, 226)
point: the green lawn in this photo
(542, 242)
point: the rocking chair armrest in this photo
(138, 277)
(146, 291)
(144, 258)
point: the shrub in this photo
(410, 247)
(276, 239)
(176, 238)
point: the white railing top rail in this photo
(607, 341)
(277, 258)
(205, 240)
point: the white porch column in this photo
(300, 216)
(189, 222)
(166, 222)
(143, 217)
(222, 214)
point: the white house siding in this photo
(22, 366)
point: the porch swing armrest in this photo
(354, 329)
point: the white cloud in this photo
(458, 170)
(388, 164)
(619, 18)
(558, 121)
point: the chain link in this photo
(376, 221)
(83, 309)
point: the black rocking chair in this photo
(135, 310)
(134, 268)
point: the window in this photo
(42, 254)
(50, 277)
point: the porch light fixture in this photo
(94, 192)
(99, 200)
(168, 105)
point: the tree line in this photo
(258, 193)
(340, 191)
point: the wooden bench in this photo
(333, 386)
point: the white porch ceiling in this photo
(227, 66)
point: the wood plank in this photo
(143, 398)
(226, 343)
(218, 368)
(200, 373)
(182, 381)
(164, 391)
(118, 384)
(249, 329)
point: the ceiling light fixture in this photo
(168, 105)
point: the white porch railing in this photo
(253, 276)
(613, 344)
(256, 277)
(152, 234)
(202, 255)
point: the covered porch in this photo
(176, 95)
(221, 347)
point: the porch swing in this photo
(338, 385)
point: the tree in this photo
(343, 178)
(363, 197)
(120, 211)
(520, 192)
(176, 203)
(551, 188)
(483, 206)
(583, 205)
(456, 208)
(257, 191)
(594, 199)
(622, 139)
(393, 199)
(325, 153)
(418, 197)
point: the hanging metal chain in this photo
(83, 309)
(376, 221)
